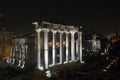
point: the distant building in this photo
(113, 37)
(92, 42)
(110, 35)
(23, 51)
(95, 44)
(5, 42)
(5, 39)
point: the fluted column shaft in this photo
(53, 49)
(67, 46)
(38, 51)
(72, 47)
(61, 48)
(13, 54)
(19, 56)
(78, 43)
(77, 49)
(80, 37)
(23, 56)
(46, 48)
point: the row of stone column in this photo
(73, 58)
(18, 55)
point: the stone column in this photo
(39, 66)
(23, 57)
(72, 46)
(61, 47)
(77, 49)
(80, 37)
(9, 59)
(78, 44)
(20, 55)
(13, 55)
(46, 48)
(26, 51)
(54, 48)
(67, 47)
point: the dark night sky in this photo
(94, 16)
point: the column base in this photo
(40, 68)
(22, 66)
(66, 62)
(19, 63)
(8, 60)
(51, 65)
(59, 63)
(72, 61)
(82, 61)
(13, 61)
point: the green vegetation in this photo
(66, 71)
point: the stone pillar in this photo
(20, 55)
(67, 47)
(39, 66)
(26, 51)
(13, 55)
(9, 59)
(80, 37)
(46, 48)
(61, 48)
(77, 49)
(78, 44)
(53, 49)
(72, 47)
(23, 57)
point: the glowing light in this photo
(64, 42)
(107, 67)
(112, 63)
(104, 70)
(50, 44)
(102, 53)
(82, 62)
(57, 44)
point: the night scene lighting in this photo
(59, 40)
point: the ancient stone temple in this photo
(65, 40)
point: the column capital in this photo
(60, 31)
(46, 29)
(38, 30)
(53, 31)
(80, 32)
(73, 31)
(36, 25)
(66, 32)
